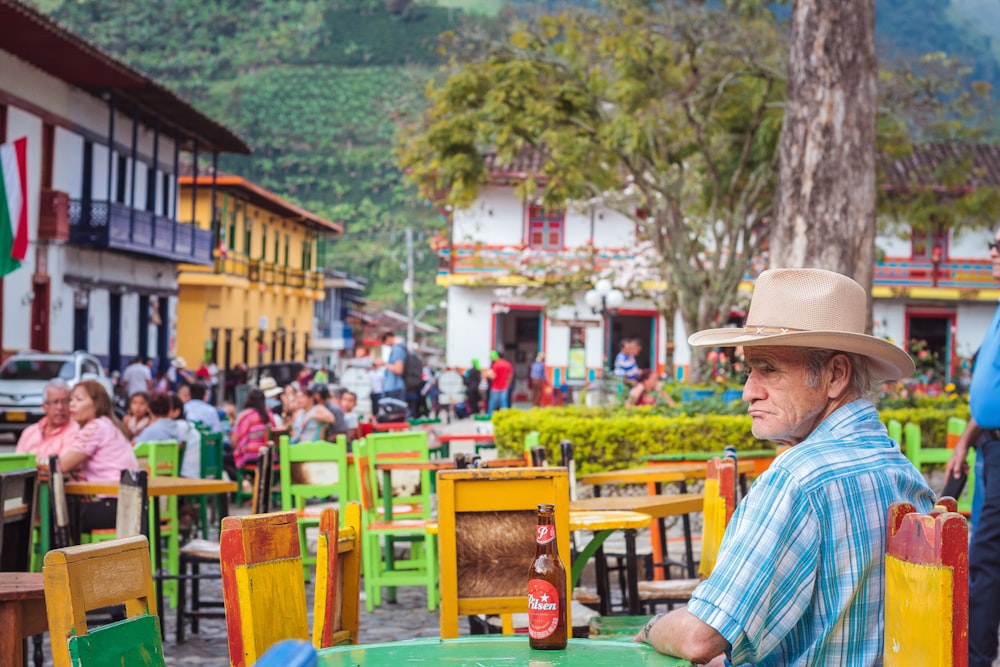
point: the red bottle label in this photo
(543, 608)
(545, 534)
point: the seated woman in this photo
(98, 452)
(138, 416)
(251, 429)
(645, 390)
(312, 415)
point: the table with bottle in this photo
(497, 651)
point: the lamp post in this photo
(605, 300)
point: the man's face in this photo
(56, 406)
(995, 257)
(784, 408)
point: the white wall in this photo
(469, 323)
(972, 321)
(496, 219)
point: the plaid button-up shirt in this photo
(800, 575)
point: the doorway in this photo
(638, 325)
(518, 334)
(934, 328)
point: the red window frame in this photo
(546, 229)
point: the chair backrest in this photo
(211, 455)
(409, 487)
(954, 429)
(132, 514)
(895, 429)
(83, 578)
(18, 495)
(486, 534)
(926, 587)
(262, 476)
(719, 504)
(60, 531)
(261, 574)
(912, 437)
(337, 601)
(160, 458)
(12, 461)
(530, 440)
(311, 470)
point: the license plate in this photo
(17, 416)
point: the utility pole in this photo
(408, 288)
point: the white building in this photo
(944, 297)
(103, 148)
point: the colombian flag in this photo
(13, 205)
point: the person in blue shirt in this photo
(626, 367)
(799, 578)
(983, 430)
(393, 386)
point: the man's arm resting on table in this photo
(683, 635)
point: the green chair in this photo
(311, 471)
(11, 462)
(211, 468)
(955, 427)
(163, 460)
(379, 566)
(895, 429)
(922, 456)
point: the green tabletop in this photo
(495, 650)
(705, 456)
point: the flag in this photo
(13, 205)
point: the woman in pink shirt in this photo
(99, 452)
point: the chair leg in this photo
(38, 654)
(181, 599)
(195, 596)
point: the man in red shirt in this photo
(500, 374)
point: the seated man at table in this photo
(55, 431)
(799, 576)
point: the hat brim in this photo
(888, 362)
(272, 392)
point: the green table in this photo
(495, 651)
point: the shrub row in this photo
(606, 438)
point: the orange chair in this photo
(926, 587)
(337, 603)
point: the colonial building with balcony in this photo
(934, 287)
(255, 302)
(104, 143)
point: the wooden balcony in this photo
(905, 273)
(114, 226)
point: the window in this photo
(545, 228)
(923, 244)
(288, 243)
(122, 179)
(151, 189)
(277, 246)
(263, 244)
(165, 197)
(231, 236)
(246, 231)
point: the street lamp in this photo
(605, 300)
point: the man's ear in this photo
(838, 375)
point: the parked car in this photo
(24, 375)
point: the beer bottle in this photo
(547, 587)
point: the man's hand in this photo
(956, 466)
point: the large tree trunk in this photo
(825, 215)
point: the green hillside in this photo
(316, 87)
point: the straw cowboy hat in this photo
(178, 362)
(269, 386)
(810, 308)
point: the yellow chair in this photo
(84, 578)
(337, 602)
(718, 508)
(926, 587)
(261, 584)
(486, 529)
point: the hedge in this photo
(608, 438)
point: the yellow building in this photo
(256, 303)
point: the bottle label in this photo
(543, 609)
(545, 534)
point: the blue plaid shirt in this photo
(799, 577)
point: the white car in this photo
(23, 378)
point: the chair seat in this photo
(397, 524)
(586, 595)
(673, 589)
(204, 549)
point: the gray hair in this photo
(862, 383)
(55, 383)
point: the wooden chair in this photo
(91, 576)
(337, 599)
(311, 471)
(718, 508)
(261, 575)
(18, 495)
(926, 587)
(486, 528)
(200, 552)
(211, 468)
(162, 459)
(420, 569)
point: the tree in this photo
(825, 214)
(666, 111)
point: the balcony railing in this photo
(488, 261)
(115, 226)
(954, 274)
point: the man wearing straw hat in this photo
(799, 576)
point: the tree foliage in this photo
(667, 112)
